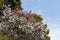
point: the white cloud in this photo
(54, 27)
(55, 34)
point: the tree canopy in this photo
(17, 24)
(12, 3)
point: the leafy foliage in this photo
(3, 37)
(38, 18)
(12, 3)
(1, 4)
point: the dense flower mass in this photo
(18, 24)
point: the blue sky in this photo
(50, 11)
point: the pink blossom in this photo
(37, 27)
(20, 12)
(16, 10)
(24, 21)
(25, 12)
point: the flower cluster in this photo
(17, 23)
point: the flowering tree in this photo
(23, 25)
(17, 24)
